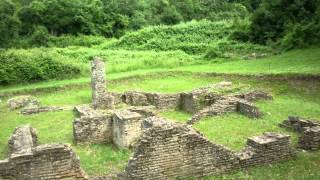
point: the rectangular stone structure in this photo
(93, 129)
(126, 128)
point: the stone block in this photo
(126, 128)
(93, 129)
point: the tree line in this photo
(294, 22)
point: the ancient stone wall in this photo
(310, 132)
(121, 127)
(266, 149)
(93, 129)
(161, 101)
(310, 139)
(28, 161)
(248, 109)
(170, 150)
(298, 124)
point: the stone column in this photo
(100, 98)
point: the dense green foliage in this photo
(193, 38)
(109, 18)
(293, 23)
(17, 68)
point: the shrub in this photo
(23, 68)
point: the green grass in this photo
(298, 62)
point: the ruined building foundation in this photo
(27, 160)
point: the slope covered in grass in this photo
(196, 37)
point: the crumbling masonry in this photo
(171, 150)
(27, 160)
(310, 132)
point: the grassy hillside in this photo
(192, 37)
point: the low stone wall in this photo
(161, 101)
(49, 161)
(121, 127)
(93, 129)
(171, 150)
(266, 149)
(227, 104)
(248, 109)
(298, 124)
(310, 132)
(310, 139)
(40, 109)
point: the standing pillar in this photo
(100, 98)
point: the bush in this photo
(23, 68)
(290, 23)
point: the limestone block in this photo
(126, 128)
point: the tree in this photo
(9, 24)
(276, 19)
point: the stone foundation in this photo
(36, 109)
(121, 127)
(93, 129)
(227, 104)
(298, 124)
(171, 150)
(310, 139)
(49, 161)
(310, 132)
(161, 101)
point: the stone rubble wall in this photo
(298, 124)
(310, 132)
(171, 150)
(310, 139)
(36, 109)
(255, 96)
(93, 129)
(161, 101)
(29, 161)
(266, 149)
(248, 109)
(121, 127)
(227, 104)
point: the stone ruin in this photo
(120, 127)
(100, 99)
(30, 105)
(310, 132)
(172, 150)
(162, 149)
(28, 160)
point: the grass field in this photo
(297, 62)
(231, 130)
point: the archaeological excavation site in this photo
(157, 147)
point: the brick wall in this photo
(171, 150)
